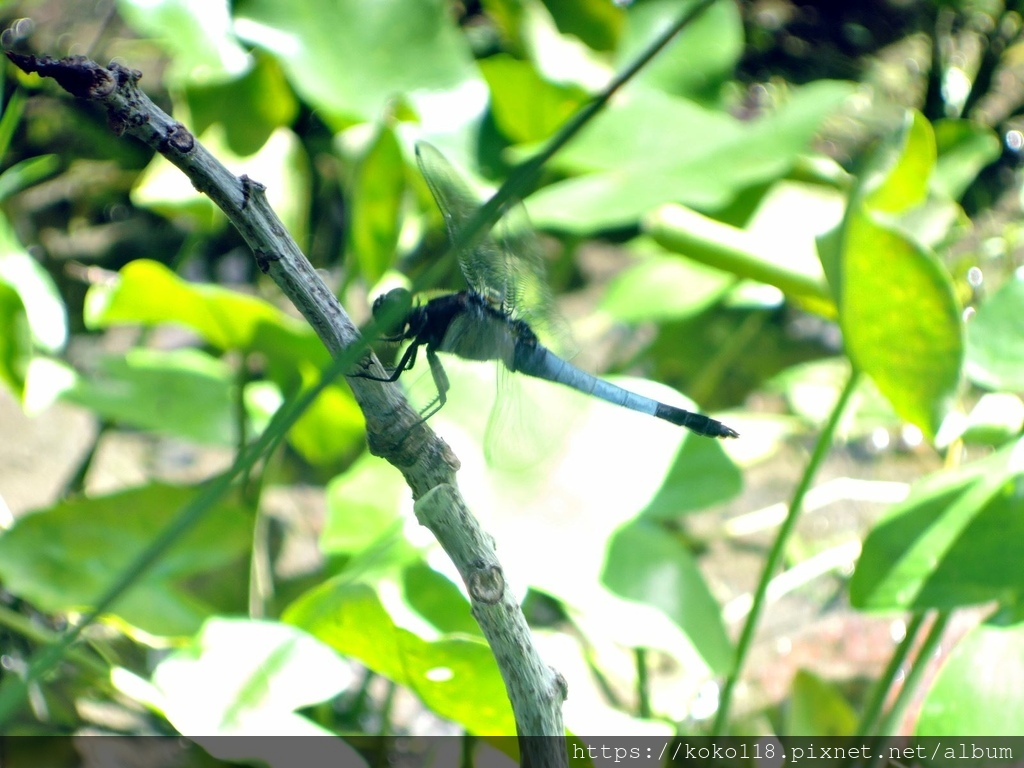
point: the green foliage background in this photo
(763, 171)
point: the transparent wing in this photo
(482, 265)
(505, 265)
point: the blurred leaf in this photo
(977, 692)
(356, 56)
(701, 475)
(526, 107)
(249, 108)
(438, 600)
(240, 677)
(455, 676)
(15, 341)
(651, 149)
(181, 392)
(362, 506)
(964, 149)
(65, 557)
(898, 311)
(663, 287)
(951, 543)
(25, 173)
(698, 61)
(43, 303)
(148, 292)
(996, 418)
(646, 564)
(332, 427)
(817, 708)
(280, 165)
(375, 203)
(198, 34)
(596, 22)
(995, 340)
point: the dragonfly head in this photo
(391, 310)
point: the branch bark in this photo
(394, 430)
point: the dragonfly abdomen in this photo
(536, 360)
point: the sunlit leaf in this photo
(376, 197)
(964, 149)
(951, 543)
(995, 340)
(356, 56)
(647, 565)
(898, 311)
(250, 108)
(43, 304)
(149, 293)
(977, 692)
(698, 61)
(526, 107)
(238, 675)
(182, 392)
(455, 676)
(653, 149)
(65, 557)
(197, 33)
(15, 340)
(280, 164)
(816, 707)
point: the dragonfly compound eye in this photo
(391, 310)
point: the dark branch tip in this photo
(77, 75)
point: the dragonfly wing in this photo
(482, 264)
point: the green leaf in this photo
(817, 708)
(652, 149)
(280, 164)
(699, 61)
(647, 565)
(44, 306)
(198, 35)
(15, 340)
(362, 506)
(240, 677)
(147, 292)
(951, 543)
(27, 172)
(964, 149)
(977, 692)
(995, 340)
(376, 197)
(663, 287)
(595, 22)
(65, 557)
(527, 108)
(249, 108)
(181, 392)
(355, 57)
(898, 310)
(455, 676)
(701, 475)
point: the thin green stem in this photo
(869, 719)
(778, 549)
(29, 629)
(915, 676)
(643, 693)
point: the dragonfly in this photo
(502, 313)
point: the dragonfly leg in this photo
(440, 381)
(405, 364)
